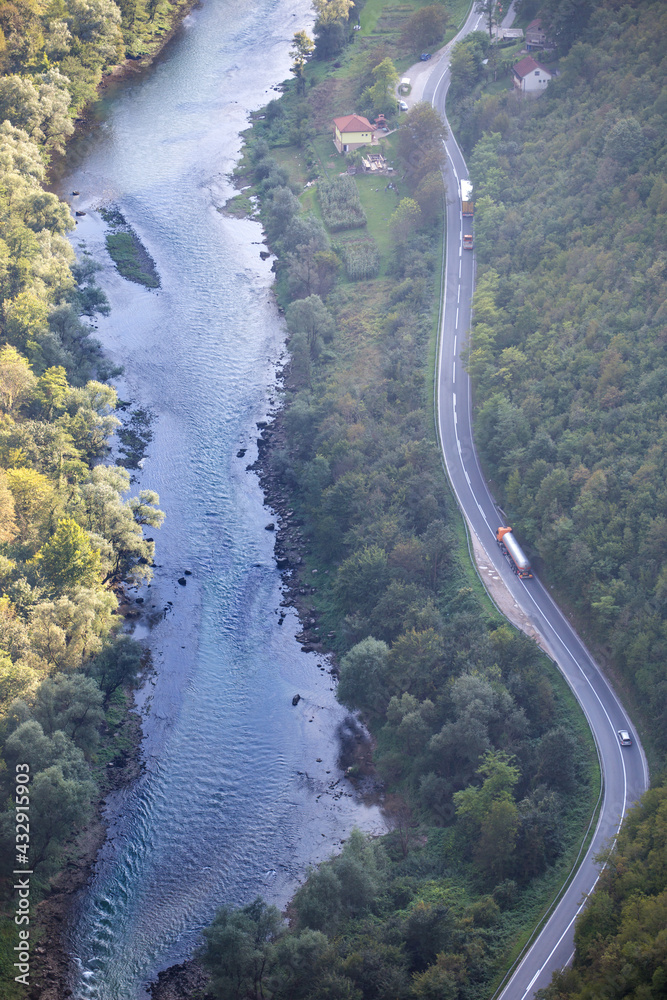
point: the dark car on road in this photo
(424, 56)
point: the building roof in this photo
(535, 25)
(353, 123)
(528, 65)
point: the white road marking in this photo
(454, 371)
(458, 297)
(457, 318)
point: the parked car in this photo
(402, 105)
(424, 56)
(624, 738)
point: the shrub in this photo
(340, 204)
(361, 258)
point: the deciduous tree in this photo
(425, 28)
(17, 380)
(364, 675)
(491, 12)
(301, 51)
(69, 559)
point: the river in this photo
(233, 801)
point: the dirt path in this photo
(499, 593)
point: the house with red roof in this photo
(351, 132)
(529, 77)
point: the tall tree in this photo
(425, 28)
(16, 378)
(490, 10)
(69, 559)
(421, 141)
(301, 51)
(238, 950)
(380, 96)
(329, 11)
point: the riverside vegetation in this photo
(68, 538)
(487, 762)
(568, 364)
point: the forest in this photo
(568, 348)
(621, 938)
(568, 363)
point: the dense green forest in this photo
(568, 350)
(488, 765)
(569, 368)
(621, 937)
(68, 536)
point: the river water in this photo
(233, 801)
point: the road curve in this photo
(624, 769)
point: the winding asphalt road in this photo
(625, 772)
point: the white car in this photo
(402, 105)
(624, 738)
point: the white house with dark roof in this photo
(529, 77)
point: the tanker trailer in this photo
(467, 207)
(514, 553)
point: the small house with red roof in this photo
(529, 77)
(351, 132)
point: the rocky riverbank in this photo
(290, 544)
(186, 981)
(50, 971)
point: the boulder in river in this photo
(182, 581)
(296, 699)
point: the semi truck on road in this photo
(515, 555)
(467, 207)
(467, 211)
